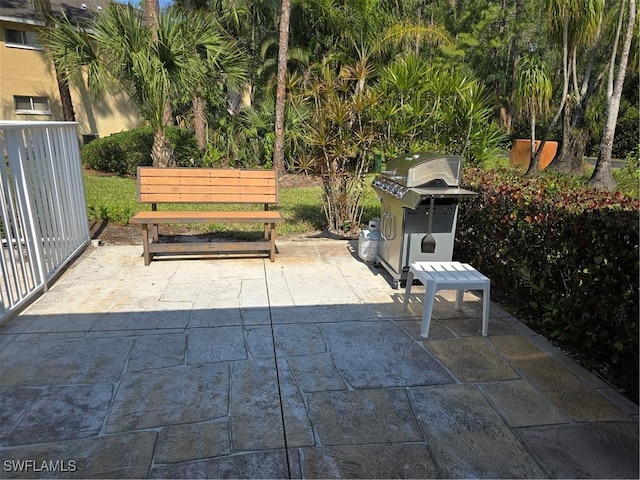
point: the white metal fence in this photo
(43, 215)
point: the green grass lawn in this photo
(114, 199)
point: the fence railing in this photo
(43, 215)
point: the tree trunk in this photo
(570, 158)
(534, 162)
(151, 14)
(199, 121)
(281, 93)
(574, 142)
(506, 118)
(198, 104)
(602, 177)
(65, 96)
(573, 156)
(575, 139)
(161, 152)
(167, 116)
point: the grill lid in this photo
(425, 169)
(412, 178)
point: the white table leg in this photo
(429, 298)
(486, 300)
(407, 290)
(459, 295)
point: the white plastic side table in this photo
(447, 276)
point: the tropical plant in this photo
(221, 63)
(342, 136)
(119, 49)
(227, 15)
(426, 108)
(533, 96)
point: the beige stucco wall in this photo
(28, 72)
(111, 114)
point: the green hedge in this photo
(121, 153)
(563, 258)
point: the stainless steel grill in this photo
(419, 196)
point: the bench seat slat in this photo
(269, 216)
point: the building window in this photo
(22, 38)
(32, 105)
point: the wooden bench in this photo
(206, 185)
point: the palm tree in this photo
(119, 49)
(204, 14)
(151, 18)
(43, 7)
(221, 62)
(252, 24)
(533, 96)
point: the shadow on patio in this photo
(307, 367)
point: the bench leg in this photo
(272, 236)
(155, 233)
(429, 298)
(145, 244)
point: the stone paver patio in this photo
(306, 367)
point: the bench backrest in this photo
(206, 185)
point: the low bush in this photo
(563, 258)
(121, 153)
(627, 127)
(628, 177)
